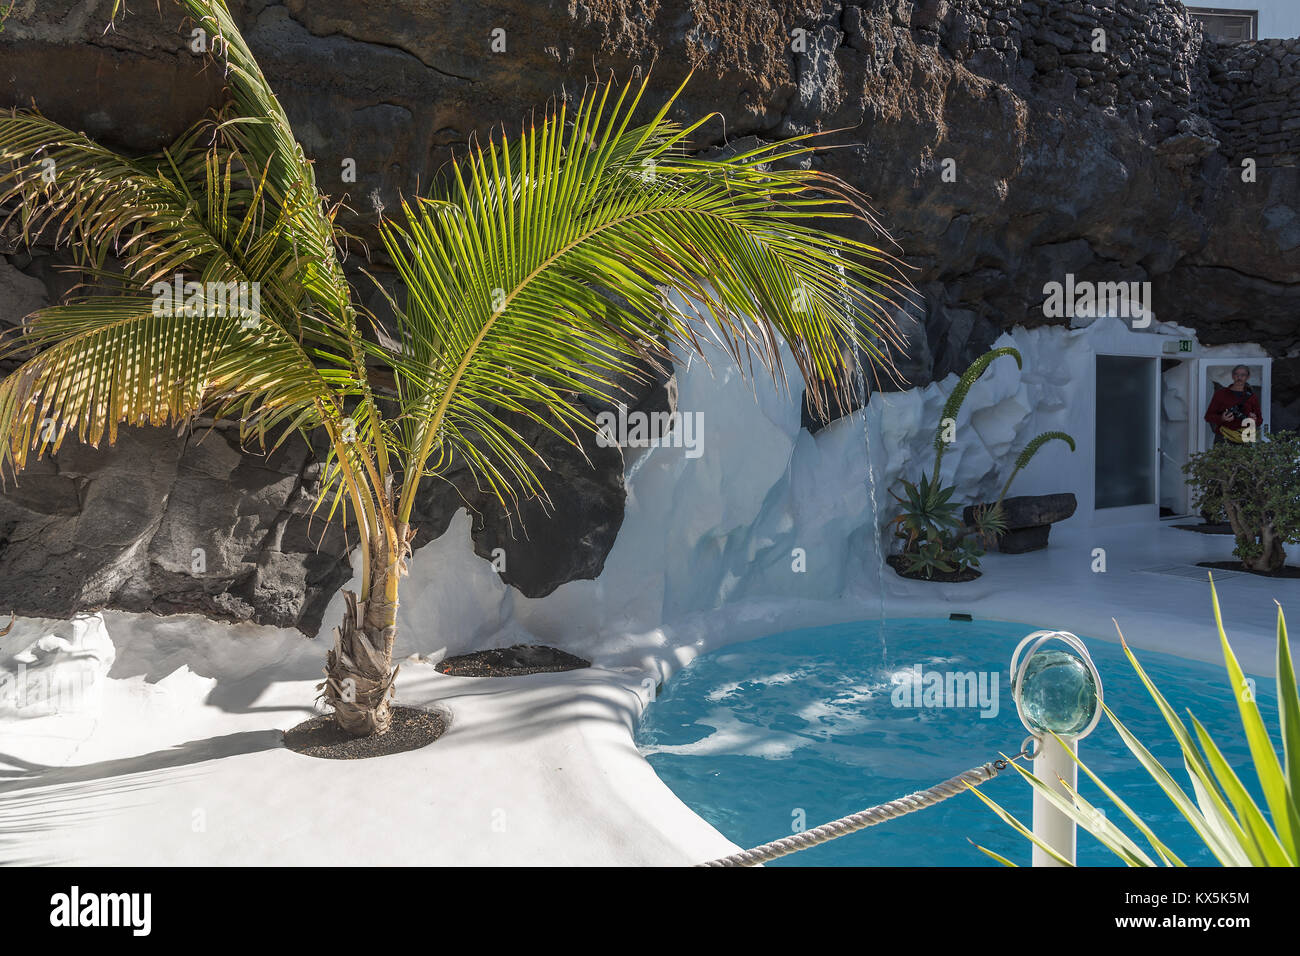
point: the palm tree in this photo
(535, 272)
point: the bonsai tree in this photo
(1257, 485)
(534, 272)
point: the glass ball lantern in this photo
(1056, 691)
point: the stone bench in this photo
(1029, 520)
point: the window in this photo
(1227, 25)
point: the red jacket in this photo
(1225, 399)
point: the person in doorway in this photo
(1232, 406)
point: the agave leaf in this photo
(1086, 815)
(1243, 838)
(1227, 853)
(1281, 803)
(1096, 822)
(1019, 827)
(1267, 846)
(1288, 708)
(1221, 821)
(1215, 816)
(1163, 851)
(987, 852)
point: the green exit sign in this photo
(1184, 345)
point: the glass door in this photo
(1127, 438)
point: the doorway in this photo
(1215, 373)
(1127, 423)
(1178, 419)
(1186, 388)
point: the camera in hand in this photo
(1238, 411)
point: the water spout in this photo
(875, 504)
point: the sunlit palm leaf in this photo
(539, 273)
(67, 189)
(261, 131)
(233, 200)
(103, 362)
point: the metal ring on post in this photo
(1039, 638)
(1032, 746)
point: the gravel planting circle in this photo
(513, 661)
(411, 729)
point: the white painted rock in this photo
(54, 667)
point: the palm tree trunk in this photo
(358, 670)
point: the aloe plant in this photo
(928, 511)
(989, 523)
(1221, 811)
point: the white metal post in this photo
(1053, 764)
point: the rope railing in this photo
(868, 817)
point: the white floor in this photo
(1166, 610)
(181, 763)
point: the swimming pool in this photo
(813, 724)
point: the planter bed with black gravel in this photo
(895, 561)
(512, 662)
(1286, 571)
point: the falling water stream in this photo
(875, 505)
(846, 303)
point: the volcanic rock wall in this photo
(1257, 107)
(1004, 144)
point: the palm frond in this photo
(540, 271)
(68, 190)
(231, 202)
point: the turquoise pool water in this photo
(823, 722)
